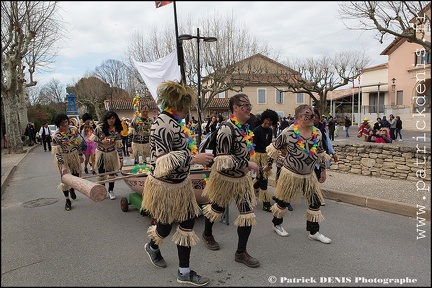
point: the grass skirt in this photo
(261, 160)
(169, 203)
(290, 185)
(73, 163)
(110, 160)
(222, 190)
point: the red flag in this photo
(162, 3)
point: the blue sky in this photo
(99, 31)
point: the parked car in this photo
(52, 128)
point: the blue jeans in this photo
(346, 132)
(398, 132)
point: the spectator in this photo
(31, 134)
(392, 127)
(124, 134)
(347, 124)
(364, 130)
(45, 133)
(385, 122)
(331, 128)
(398, 128)
(378, 124)
(382, 136)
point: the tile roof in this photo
(126, 104)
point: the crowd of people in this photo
(382, 131)
(247, 147)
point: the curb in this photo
(13, 169)
(8, 177)
(385, 205)
(389, 206)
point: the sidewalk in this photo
(393, 196)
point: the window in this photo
(221, 95)
(299, 98)
(422, 57)
(399, 98)
(279, 97)
(373, 103)
(262, 96)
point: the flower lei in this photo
(300, 140)
(135, 103)
(190, 136)
(247, 135)
(73, 141)
(112, 136)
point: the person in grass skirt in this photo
(67, 154)
(168, 194)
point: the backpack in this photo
(209, 141)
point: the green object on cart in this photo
(135, 199)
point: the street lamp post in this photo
(205, 39)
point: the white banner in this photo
(163, 69)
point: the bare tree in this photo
(29, 30)
(404, 19)
(92, 92)
(113, 72)
(52, 92)
(217, 59)
(316, 76)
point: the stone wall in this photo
(388, 161)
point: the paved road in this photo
(96, 244)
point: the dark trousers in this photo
(243, 232)
(125, 145)
(45, 142)
(183, 252)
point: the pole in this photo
(180, 54)
(352, 105)
(358, 108)
(378, 111)
(199, 89)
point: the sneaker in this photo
(155, 257)
(322, 203)
(111, 195)
(72, 193)
(246, 259)
(192, 278)
(319, 237)
(86, 170)
(68, 205)
(280, 230)
(400, 140)
(290, 208)
(210, 242)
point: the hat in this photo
(365, 119)
(123, 118)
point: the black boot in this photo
(266, 206)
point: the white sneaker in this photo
(400, 139)
(280, 231)
(320, 237)
(111, 195)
